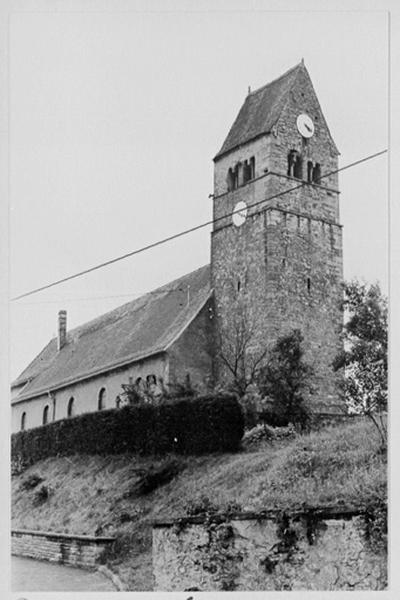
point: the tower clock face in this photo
(305, 125)
(239, 213)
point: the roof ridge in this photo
(163, 288)
(161, 345)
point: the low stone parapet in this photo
(75, 550)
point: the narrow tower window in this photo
(308, 284)
(298, 167)
(310, 169)
(291, 162)
(295, 165)
(246, 172)
(236, 177)
(230, 180)
(317, 173)
(252, 167)
(23, 421)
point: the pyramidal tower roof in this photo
(260, 111)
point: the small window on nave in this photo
(23, 421)
(45, 415)
(102, 399)
(71, 408)
(151, 380)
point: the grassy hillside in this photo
(105, 495)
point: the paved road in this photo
(28, 575)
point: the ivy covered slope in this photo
(121, 495)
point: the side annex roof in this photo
(131, 332)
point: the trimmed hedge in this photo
(187, 426)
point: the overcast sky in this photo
(115, 118)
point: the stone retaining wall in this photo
(314, 550)
(76, 550)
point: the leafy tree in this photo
(364, 357)
(285, 380)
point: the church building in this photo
(276, 265)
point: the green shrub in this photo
(200, 425)
(285, 379)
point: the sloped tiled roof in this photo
(260, 111)
(140, 328)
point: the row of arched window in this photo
(241, 173)
(295, 168)
(101, 402)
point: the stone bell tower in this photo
(278, 261)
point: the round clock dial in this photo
(239, 213)
(305, 125)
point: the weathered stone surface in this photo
(285, 262)
(267, 554)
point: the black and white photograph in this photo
(198, 259)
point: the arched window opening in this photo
(46, 415)
(151, 380)
(230, 180)
(291, 162)
(102, 399)
(298, 168)
(295, 165)
(70, 409)
(118, 402)
(239, 285)
(246, 172)
(310, 169)
(23, 421)
(308, 285)
(317, 173)
(236, 176)
(252, 167)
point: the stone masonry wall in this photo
(78, 551)
(284, 264)
(260, 552)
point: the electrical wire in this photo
(187, 231)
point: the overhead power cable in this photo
(132, 295)
(190, 230)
